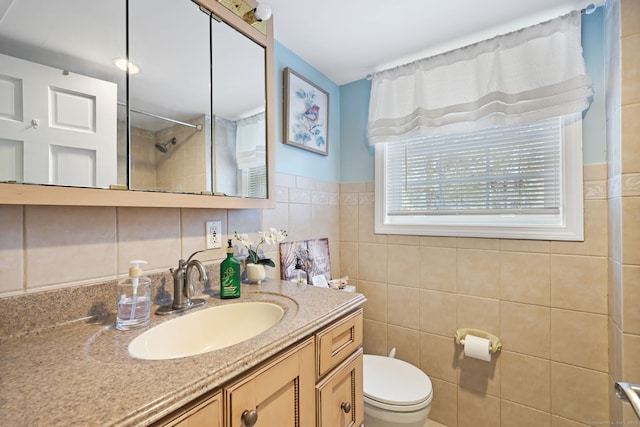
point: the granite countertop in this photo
(80, 373)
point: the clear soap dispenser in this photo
(134, 299)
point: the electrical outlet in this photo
(213, 231)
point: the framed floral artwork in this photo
(306, 114)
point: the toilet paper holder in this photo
(495, 344)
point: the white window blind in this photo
(513, 170)
(515, 182)
(257, 182)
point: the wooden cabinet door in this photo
(280, 393)
(206, 413)
(340, 395)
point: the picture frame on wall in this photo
(306, 114)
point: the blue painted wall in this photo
(293, 160)
(350, 157)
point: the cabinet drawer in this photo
(204, 412)
(337, 342)
(339, 396)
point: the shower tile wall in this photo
(546, 300)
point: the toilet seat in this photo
(395, 385)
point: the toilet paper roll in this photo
(477, 348)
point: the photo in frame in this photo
(306, 114)
(312, 254)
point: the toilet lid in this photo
(394, 382)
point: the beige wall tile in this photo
(479, 313)
(563, 422)
(403, 265)
(478, 273)
(299, 221)
(399, 239)
(349, 260)
(444, 406)
(579, 283)
(149, 234)
(11, 249)
(477, 410)
(193, 233)
(512, 414)
(371, 265)
(438, 313)
(525, 277)
(349, 223)
(579, 339)
(631, 363)
(325, 222)
(376, 306)
(525, 328)
(375, 337)
(299, 195)
(403, 306)
(512, 245)
(595, 232)
(595, 171)
(406, 342)
(630, 46)
(438, 242)
(630, 299)
(526, 380)
(353, 187)
(579, 394)
(277, 218)
(366, 226)
(631, 230)
(438, 357)
(70, 244)
(438, 268)
(246, 221)
(630, 131)
(477, 243)
(630, 17)
(478, 375)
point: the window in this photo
(254, 182)
(522, 181)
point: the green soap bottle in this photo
(230, 275)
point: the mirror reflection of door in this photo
(58, 95)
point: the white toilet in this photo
(396, 393)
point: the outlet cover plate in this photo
(213, 234)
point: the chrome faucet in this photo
(183, 288)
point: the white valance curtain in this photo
(531, 74)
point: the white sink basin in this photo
(206, 330)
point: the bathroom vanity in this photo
(319, 378)
(304, 371)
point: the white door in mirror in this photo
(64, 123)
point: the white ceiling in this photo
(348, 39)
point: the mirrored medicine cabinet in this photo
(136, 103)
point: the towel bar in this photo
(630, 393)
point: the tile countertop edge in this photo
(38, 365)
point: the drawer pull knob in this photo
(346, 407)
(249, 418)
